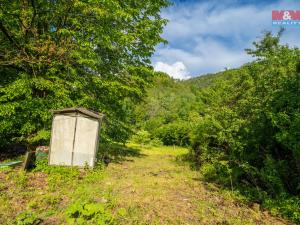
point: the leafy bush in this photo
(88, 213)
(247, 135)
(174, 134)
(286, 205)
(156, 142)
(142, 137)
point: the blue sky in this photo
(208, 36)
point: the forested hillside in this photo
(242, 125)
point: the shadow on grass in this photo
(188, 160)
(117, 153)
(12, 152)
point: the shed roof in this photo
(84, 111)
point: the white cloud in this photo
(207, 36)
(176, 70)
(207, 56)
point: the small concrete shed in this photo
(74, 137)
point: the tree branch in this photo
(34, 12)
(6, 33)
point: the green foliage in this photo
(242, 124)
(271, 177)
(141, 137)
(88, 213)
(288, 206)
(176, 133)
(260, 143)
(27, 218)
(156, 142)
(46, 191)
(247, 136)
(58, 176)
(57, 54)
(165, 111)
(144, 137)
(68, 172)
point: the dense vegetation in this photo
(242, 125)
(88, 53)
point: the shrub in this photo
(286, 205)
(156, 142)
(142, 137)
(88, 213)
(176, 133)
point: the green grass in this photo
(141, 185)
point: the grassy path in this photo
(154, 188)
(140, 186)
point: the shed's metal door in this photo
(86, 139)
(62, 138)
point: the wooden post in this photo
(29, 159)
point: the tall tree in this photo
(92, 53)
